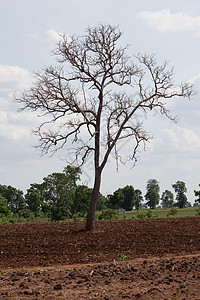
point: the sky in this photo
(168, 29)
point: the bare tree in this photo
(97, 85)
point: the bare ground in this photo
(62, 261)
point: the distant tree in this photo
(14, 197)
(33, 200)
(81, 199)
(4, 211)
(3, 201)
(153, 184)
(152, 195)
(3, 207)
(102, 202)
(41, 190)
(152, 198)
(95, 96)
(138, 199)
(129, 197)
(197, 194)
(180, 190)
(26, 214)
(122, 198)
(115, 200)
(57, 192)
(167, 199)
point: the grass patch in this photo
(159, 212)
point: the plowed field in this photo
(62, 261)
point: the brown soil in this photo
(62, 261)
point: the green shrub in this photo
(60, 215)
(173, 211)
(4, 210)
(76, 217)
(141, 216)
(108, 214)
(150, 214)
(26, 214)
(7, 220)
(197, 212)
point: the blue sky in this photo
(170, 29)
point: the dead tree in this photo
(97, 85)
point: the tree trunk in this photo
(90, 223)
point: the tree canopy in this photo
(180, 189)
(116, 199)
(138, 199)
(152, 195)
(58, 191)
(14, 197)
(153, 184)
(122, 198)
(167, 199)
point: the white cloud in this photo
(15, 126)
(12, 132)
(181, 139)
(48, 40)
(51, 38)
(52, 35)
(165, 20)
(13, 77)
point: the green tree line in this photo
(59, 197)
